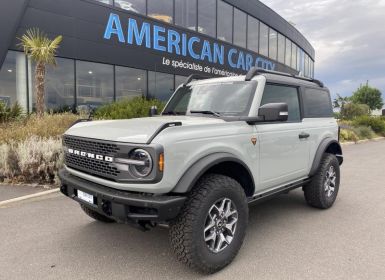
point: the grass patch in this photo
(33, 160)
(50, 126)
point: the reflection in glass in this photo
(207, 17)
(160, 10)
(160, 85)
(13, 79)
(59, 86)
(108, 2)
(136, 6)
(288, 52)
(281, 48)
(186, 13)
(130, 82)
(239, 28)
(225, 22)
(94, 81)
(263, 39)
(179, 80)
(298, 58)
(306, 65)
(293, 56)
(252, 33)
(273, 44)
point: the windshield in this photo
(219, 99)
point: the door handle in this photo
(303, 135)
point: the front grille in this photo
(92, 166)
(91, 146)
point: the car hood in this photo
(139, 130)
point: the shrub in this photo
(128, 108)
(10, 113)
(364, 132)
(351, 110)
(375, 123)
(337, 115)
(348, 135)
(34, 160)
(45, 127)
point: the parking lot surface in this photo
(50, 237)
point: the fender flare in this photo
(322, 148)
(197, 169)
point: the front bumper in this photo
(124, 207)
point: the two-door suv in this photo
(219, 145)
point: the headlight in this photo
(144, 163)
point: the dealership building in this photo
(114, 49)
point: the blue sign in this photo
(168, 40)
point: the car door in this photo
(284, 146)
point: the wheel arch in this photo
(218, 163)
(328, 145)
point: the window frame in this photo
(299, 96)
(303, 93)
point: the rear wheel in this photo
(322, 191)
(95, 215)
(210, 229)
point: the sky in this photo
(348, 37)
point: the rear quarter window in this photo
(317, 103)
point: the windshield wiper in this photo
(206, 112)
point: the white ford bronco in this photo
(218, 146)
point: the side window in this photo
(283, 94)
(317, 103)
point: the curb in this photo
(363, 141)
(26, 197)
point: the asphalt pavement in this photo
(50, 237)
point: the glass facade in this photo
(252, 34)
(160, 85)
(95, 83)
(136, 6)
(281, 48)
(288, 53)
(161, 10)
(59, 85)
(107, 2)
(130, 82)
(73, 82)
(219, 19)
(293, 55)
(13, 80)
(225, 22)
(207, 17)
(240, 23)
(273, 44)
(263, 39)
(179, 80)
(186, 13)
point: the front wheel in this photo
(210, 229)
(322, 191)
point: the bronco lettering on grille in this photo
(90, 155)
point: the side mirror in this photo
(153, 111)
(274, 112)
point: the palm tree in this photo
(41, 50)
(339, 101)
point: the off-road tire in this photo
(95, 215)
(187, 230)
(315, 194)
